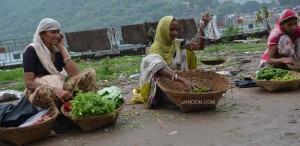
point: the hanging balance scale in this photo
(214, 36)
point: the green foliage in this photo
(274, 74)
(228, 7)
(236, 47)
(126, 65)
(112, 93)
(106, 67)
(231, 30)
(90, 104)
(77, 15)
(215, 48)
(18, 87)
(151, 35)
(289, 3)
(116, 66)
(250, 6)
(11, 75)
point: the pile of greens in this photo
(274, 74)
(88, 104)
(201, 89)
(112, 93)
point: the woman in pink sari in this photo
(284, 42)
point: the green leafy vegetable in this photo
(112, 93)
(274, 74)
(91, 104)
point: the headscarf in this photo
(42, 51)
(285, 14)
(163, 45)
(277, 32)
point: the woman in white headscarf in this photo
(45, 62)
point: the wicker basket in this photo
(279, 85)
(94, 122)
(296, 66)
(26, 135)
(188, 101)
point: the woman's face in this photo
(174, 29)
(290, 27)
(51, 37)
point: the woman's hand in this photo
(205, 18)
(188, 83)
(63, 94)
(194, 46)
(43, 118)
(60, 44)
(288, 61)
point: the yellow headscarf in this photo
(163, 45)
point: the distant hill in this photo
(20, 18)
(236, 1)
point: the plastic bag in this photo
(19, 114)
(4, 109)
(245, 83)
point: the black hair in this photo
(287, 20)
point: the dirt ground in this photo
(244, 117)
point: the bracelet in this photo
(175, 77)
(282, 60)
(203, 37)
(66, 59)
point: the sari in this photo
(44, 96)
(286, 45)
(164, 53)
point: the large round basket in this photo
(26, 135)
(94, 122)
(294, 68)
(189, 101)
(279, 85)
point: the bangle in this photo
(282, 60)
(175, 77)
(66, 59)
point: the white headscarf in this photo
(42, 51)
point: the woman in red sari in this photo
(284, 42)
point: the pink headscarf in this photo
(285, 14)
(277, 32)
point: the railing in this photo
(11, 51)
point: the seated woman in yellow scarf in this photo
(166, 54)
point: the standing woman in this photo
(283, 43)
(167, 53)
(45, 62)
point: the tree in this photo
(228, 7)
(250, 6)
(289, 2)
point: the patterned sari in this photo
(164, 53)
(285, 45)
(44, 96)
